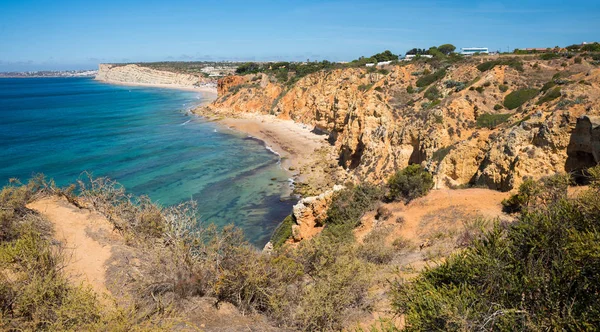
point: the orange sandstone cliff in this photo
(381, 121)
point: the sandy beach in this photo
(209, 93)
(307, 156)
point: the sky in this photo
(60, 35)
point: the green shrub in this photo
(428, 79)
(519, 97)
(491, 121)
(374, 248)
(547, 86)
(479, 89)
(410, 183)
(410, 89)
(537, 193)
(432, 93)
(528, 191)
(430, 105)
(549, 56)
(549, 96)
(513, 63)
(539, 273)
(350, 204)
(458, 86)
(498, 107)
(503, 87)
(281, 75)
(283, 232)
(487, 65)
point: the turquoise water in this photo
(143, 138)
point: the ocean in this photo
(145, 139)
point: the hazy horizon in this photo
(70, 35)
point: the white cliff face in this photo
(134, 74)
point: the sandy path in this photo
(443, 210)
(86, 257)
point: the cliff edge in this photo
(134, 74)
(483, 121)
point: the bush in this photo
(487, 65)
(283, 232)
(517, 98)
(374, 249)
(458, 86)
(513, 63)
(491, 121)
(410, 183)
(498, 107)
(428, 79)
(547, 86)
(537, 193)
(549, 56)
(432, 93)
(350, 204)
(503, 87)
(538, 273)
(549, 96)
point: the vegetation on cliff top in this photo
(538, 273)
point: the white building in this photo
(474, 50)
(409, 57)
(379, 64)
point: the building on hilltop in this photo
(409, 57)
(379, 64)
(474, 50)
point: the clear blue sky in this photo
(55, 34)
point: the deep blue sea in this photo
(145, 139)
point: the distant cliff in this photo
(135, 74)
(477, 121)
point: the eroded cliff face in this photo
(380, 121)
(134, 74)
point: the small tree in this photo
(446, 48)
(410, 183)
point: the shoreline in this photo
(209, 93)
(306, 156)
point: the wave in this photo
(271, 150)
(188, 121)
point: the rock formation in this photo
(310, 214)
(381, 121)
(132, 73)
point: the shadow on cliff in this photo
(583, 151)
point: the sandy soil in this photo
(433, 225)
(73, 228)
